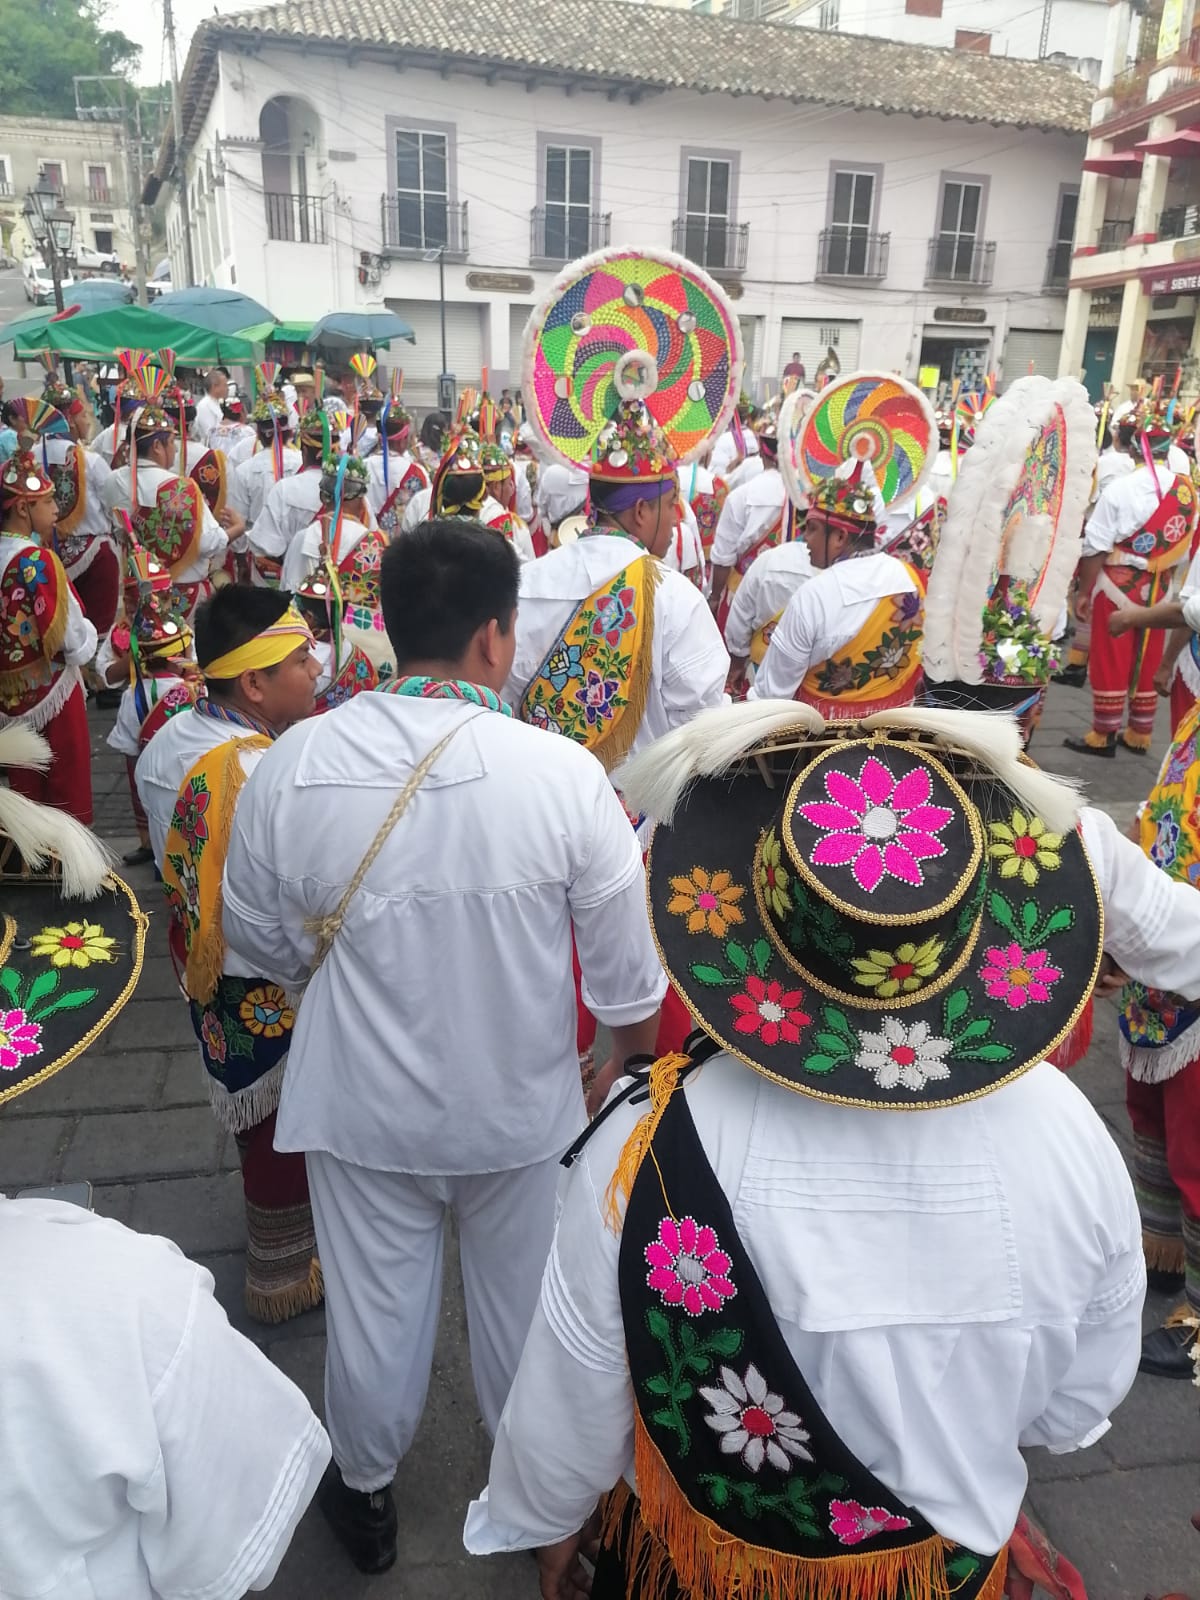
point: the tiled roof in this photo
(648, 48)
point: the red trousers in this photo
(1168, 1115)
(1121, 670)
(67, 782)
(99, 589)
(1182, 701)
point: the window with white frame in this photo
(958, 229)
(850, 223)
(422, 190)
(6, 177)
(98, 188)
(706, 225)
(54, 173)
(568, 201)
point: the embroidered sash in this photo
(761, 640)
(594, 683)
(355, 674)
(412, 481)
(194, 859)
(210, 476)
(879, 668)
(743, 1484)
(169, 530)
(707, 508)
(1160, 1032)
(358, 578)
(69, 478)
(34, 605)
(178, 697)
(1164, 540)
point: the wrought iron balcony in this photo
(1058, 266)
(560, 233)
(960, 258)
(420, 225)
(712, 242)
(1113, 235)
(847, 252)
(296, 218)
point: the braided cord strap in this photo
(328, 928)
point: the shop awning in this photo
(1121, 164)
(1185, 143)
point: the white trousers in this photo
(381, 1242)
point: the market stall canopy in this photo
(1121, 164)
(98, 336)
(217, 310)
(30, 326)
(1184, 142)
(357, 329)
(98, 294)
(278, 332)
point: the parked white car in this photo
(85, 259)
(159, 284)
(39, 285)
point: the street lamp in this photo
(53, 228)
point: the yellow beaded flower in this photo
(891, 972)
(78, 944)
(1024, 849)
(265, 1011)
(707, 900)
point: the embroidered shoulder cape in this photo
(881, 665)
(169, 530)
(34, 607)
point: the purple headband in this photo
(620, 496)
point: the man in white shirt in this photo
(433, 926)
(291, 505)
(252, 480)
(209, 412)
(728, 454)
(233, 436)
(760, 602)
(700, 1322)
(395, 474)
(849, 642)
(1115, 462)
(752, 519)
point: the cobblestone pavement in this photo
(132, 1117)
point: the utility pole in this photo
(1044, 42)
(185, 214)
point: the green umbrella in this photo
(277, 332)
(100, 335)
(29, 326)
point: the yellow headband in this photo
(266, 649)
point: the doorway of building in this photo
(1098, 350)
(952, 360)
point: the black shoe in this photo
(1165, 1353)
(1073, 677)
(365, 1524)
(1083, 748)
(1162, 1280)
(138, 857)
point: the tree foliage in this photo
(47, 43)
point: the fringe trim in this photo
(664, 1076)
(1163, 1255)
(836, 710)
(243, 1109)
(1137, 741)
(1157, 1066)
(277, 1305)
(51, 703)
(617, 743)
(673, 1543)
(1098, 741)
(1071, 1050)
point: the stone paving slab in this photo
(132, 1117)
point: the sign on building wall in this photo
(1172, 280)
(1171, 28)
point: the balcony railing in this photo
(1113, 235)
(960, 258)
(6, 191)
(99, 195)
(852, 253)
(1058, 265)
(712, 242)
(559, 233)
(296, 218)
(1179, 222)
(419, 225)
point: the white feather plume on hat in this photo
(41, 832)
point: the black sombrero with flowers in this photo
(874, 917)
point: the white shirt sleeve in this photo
(300, 559)
(623, 980)
(791, 651)
(1151, 921)
(80, 640)
(695, 662)
(731, 529)
(241, 1457)
(213, 541)
(741, 623)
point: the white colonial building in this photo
(908, 208)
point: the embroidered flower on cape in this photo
(77, 944)
(18, 1038)
(774, 876)
(853, 1522)
(1018, 976)
(688, 1268)
(707, 900)
(540, 717)
(191, 813)
(614, 615)
(877, 825)
(899, 971)
(897, 1054)
(22, 628)
(1024, 849)
(1166, 841)
(770, 1011)
(563, 664)
(596, 697)
(33, 570)
(753, 1423)
(213, 1035)
(265, 1011)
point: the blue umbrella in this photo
(217, 310)
(359, 328)
(97, 294)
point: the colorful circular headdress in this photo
(793, 414)
(1011, 538)
(631, 325)
(870, 417)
